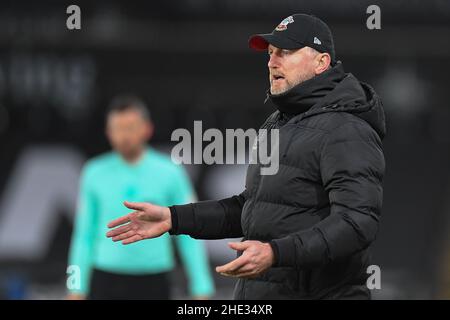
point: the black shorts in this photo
(112, 286)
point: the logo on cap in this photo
(317, 41)
(283, 24)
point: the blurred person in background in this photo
(132, 171)
(307, 229)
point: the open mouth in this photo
(276, 78)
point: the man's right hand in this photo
(147, 221)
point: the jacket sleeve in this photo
(83, 236)
(192, 252)
(352, 168)
(194, 255)
(209, 219)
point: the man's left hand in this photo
(256, 258)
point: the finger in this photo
(124, 236)
(119, 230)
(250, 274)
(230, 275)
(239, 245)
(233, 265)
(135, 205)
(119, 221)
(245, 269)
(132, 239)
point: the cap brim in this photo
(260, 42)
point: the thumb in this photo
(238, 245)
(134, 205)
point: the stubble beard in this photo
(280, 90)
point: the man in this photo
(306, 229)
(132, 171)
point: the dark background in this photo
(190, 61)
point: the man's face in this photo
(288, 68)
(128, 132)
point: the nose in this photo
(273, 61)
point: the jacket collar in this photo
(303, 96)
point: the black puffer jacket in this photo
(321, 211)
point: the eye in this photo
(286, 52)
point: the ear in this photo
(149, 130)
(323, 62)
(107, 132)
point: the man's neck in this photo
(133, 158)
(303, 96)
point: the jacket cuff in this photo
(284, 252)
(276, 254)
(174, 220)
(182, 219)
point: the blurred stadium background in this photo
(189, 60)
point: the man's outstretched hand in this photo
(147, 221)
(256, 258)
